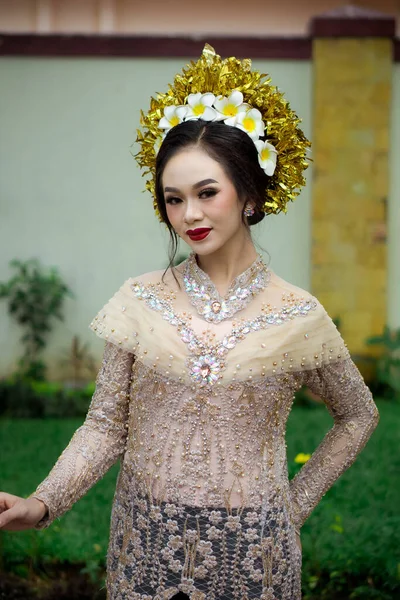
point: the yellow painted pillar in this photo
(352, 59)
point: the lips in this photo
(198, 231)
(198, 234)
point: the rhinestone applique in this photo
(205, 297)
(205, 362)
(205, 369)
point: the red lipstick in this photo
(198, 234)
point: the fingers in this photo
(7, 516)
(11, 513)
(7, 501)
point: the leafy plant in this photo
(19, 399)
(79, 361)
(35, 299)
(388, 365)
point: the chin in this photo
(204, 250)
(205, 247)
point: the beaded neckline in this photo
(206, 359)
(205, 297)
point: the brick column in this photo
(352, 55)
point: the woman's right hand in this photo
(17, 514)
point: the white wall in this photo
(71, 193)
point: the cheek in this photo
(176, 216)
(227, 206)
(172, 213)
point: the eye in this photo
(172, 200)
(207, 193)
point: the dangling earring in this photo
(248, 210)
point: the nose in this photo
(193, 212)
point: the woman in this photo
(201, 364)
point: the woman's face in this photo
(199, 194)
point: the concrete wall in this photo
(71, 193)
(394, 207)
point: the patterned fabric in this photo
(205, 297)
(203, 503)
(211, 553)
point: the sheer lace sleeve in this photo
(97, 444)
(355, 415)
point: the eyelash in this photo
(209, 193)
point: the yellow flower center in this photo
(230, 110)
(249, 124)
(198, 109)
(265, 154)
(174, 121)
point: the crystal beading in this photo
(205, 361)
(205, 297)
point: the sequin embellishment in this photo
(206, 360)
(206, 299)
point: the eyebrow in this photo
(195, 187)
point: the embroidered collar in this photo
(205, 297)
(206, 360)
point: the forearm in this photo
(96, 445)
(84, 461)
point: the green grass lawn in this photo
(353, 535)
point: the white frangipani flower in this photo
(173, 115)
(199, 107)
(229, 108)
(266, 156)
(251, 122)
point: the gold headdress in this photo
(214, 89)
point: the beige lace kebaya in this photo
(195, 405)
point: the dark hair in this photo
(229, 146)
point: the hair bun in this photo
(256, 217)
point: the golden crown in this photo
(228, 90)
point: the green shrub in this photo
(21, 397)
(387, 382)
